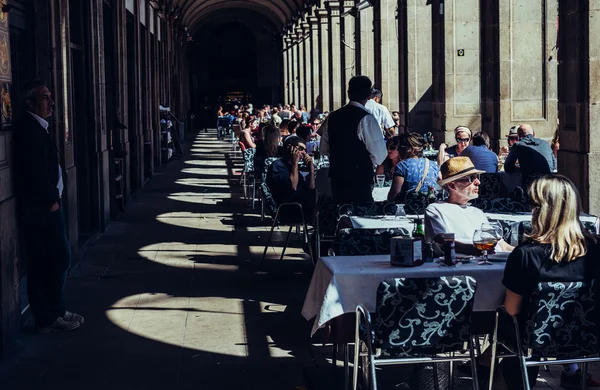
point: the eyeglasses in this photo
(392, 147)
(470, 178)
(463, 140)
(301, 148)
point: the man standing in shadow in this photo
(39, 186)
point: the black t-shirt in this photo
(530, 263)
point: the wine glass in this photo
(485, 238)
(499, 229)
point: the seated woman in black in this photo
(287, 183)
(266, 147)
(559, 250)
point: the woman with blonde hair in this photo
(558, 249)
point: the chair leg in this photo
(346, 348)
(334, 357)
(584, 368)
(473, 364)
(287, 241)
(436, 377)
(524, 374)
(253, 191)
(268, 242)
(372, 377)
(355, 368)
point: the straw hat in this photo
(456, 168)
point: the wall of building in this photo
(56, 57)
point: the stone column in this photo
(293, 69)
(348, 45)
(528, 67)
(286, 69)
(579, 99)
(315, 103)
(367, 39)
(324, 58)
(308, 97)
(301, 66)
(335, 66)
(415, 70)
(388, 48)
(457, 93)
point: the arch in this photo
(246, 17)
(200, 10)
(189, 4)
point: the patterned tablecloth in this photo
(341, 283)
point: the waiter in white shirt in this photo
(352, 138)
(381, 113)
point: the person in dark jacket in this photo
(39, 187)
(534, 156)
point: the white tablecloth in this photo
(389, 222)
(341, 283)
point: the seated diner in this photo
(414, 173)
(285, 181)
(460, 179)
(388, 166)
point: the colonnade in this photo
(485, 64)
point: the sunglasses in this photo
(470, 178)
(301, 148)
(392, 147)
(463, 140)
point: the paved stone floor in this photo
(173, 297)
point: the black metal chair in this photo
(413, 325)
(289, 213)
(561, 324)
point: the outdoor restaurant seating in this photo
(260, 176)
(288, 213)
(411, 325)
(561, 324)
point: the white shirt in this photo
(368, 132)
(381, 113)
(44, 123)
(443, 217)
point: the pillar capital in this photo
(322, 15)
(313, 21)
(305, 27)
(334, 8)
(362, 4)
(347, 6)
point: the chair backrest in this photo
(249, 159)
(268, 198)
(261, 166)
(360, 242)
(415, 203)
(501, 205)
(490, 186)
(411, 319)
(562, 320)
(525, 228)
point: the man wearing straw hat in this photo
(460, 179)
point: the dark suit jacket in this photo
(36, 166)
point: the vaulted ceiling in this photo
(281, 13)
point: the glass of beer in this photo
(485, 238)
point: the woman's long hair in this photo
(271, 139)
(555, 210)
(412, 144)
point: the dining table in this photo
(340, 283)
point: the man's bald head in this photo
(524, 130)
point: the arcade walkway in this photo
(173, 300)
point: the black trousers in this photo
(48, 261)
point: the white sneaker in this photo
(73, 317)
(60, 325)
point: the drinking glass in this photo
(485, 238)
(380, 180)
